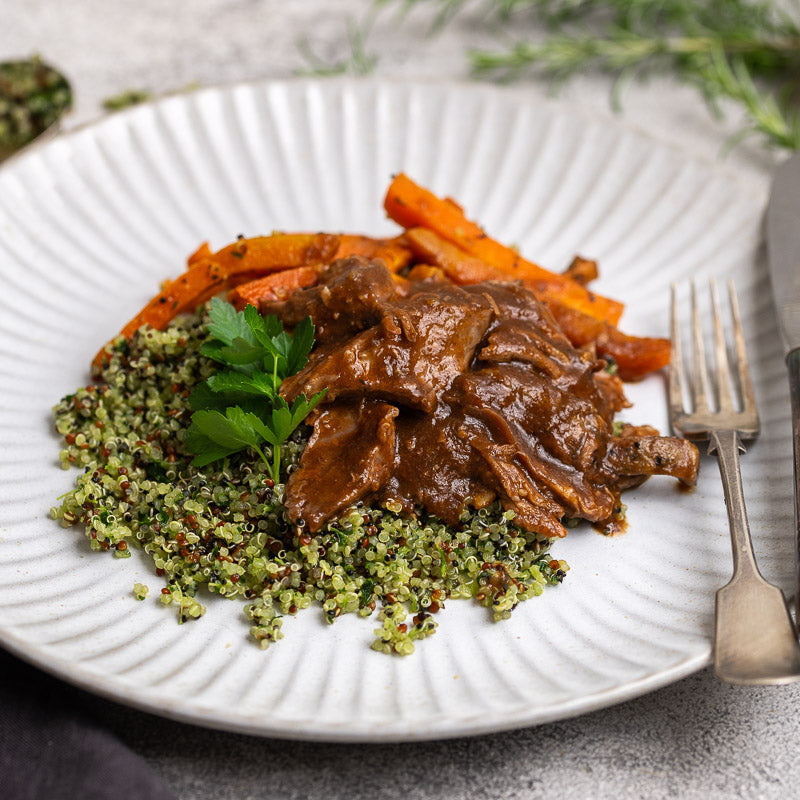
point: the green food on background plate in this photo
(33, 96)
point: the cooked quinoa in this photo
(225, 527)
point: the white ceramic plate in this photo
(91, 222)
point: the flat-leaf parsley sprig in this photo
(240, 407)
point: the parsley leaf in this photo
(214, 435)
(302, 342)
(227, 324)
(246, 341)
(229, 382)
(262, 328)
(284, 419)
(239, 353)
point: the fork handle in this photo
(727, 446)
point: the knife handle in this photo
(793, 364)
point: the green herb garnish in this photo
(240, 407)
(746, 52)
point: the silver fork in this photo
(754, 638)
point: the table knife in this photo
(783, 247)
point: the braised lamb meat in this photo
(353, 446)
(446, 396)
(410, 357)
(351, 298)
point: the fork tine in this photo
(700, 382)
(676, 367)
(748, 395)
(720, 353)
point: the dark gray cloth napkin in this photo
(53, 747)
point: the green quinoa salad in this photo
(224, 526)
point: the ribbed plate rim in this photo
(447, 727)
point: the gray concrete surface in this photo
(695, 739)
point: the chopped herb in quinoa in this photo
(223, 525)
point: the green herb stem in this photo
(276, 462)
(746, 52)
(621, 51)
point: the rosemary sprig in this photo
(743, 51)
(358, 62)
(730, 77)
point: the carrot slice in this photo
(183, 294)
(412, 206)
(276, 286)
(263, 254)
(635, 356)
(237, 263)
(203, 252)
(461, 267)
(427, 272)
(582, 270)
(394, 252)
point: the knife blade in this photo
(783, 249)
(783, 244)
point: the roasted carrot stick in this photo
(241, 261)
(427, 272)
(263, 254)
(276, 286)
(203, 252)
(582, 270)
(183, 294)
(413, 206)
(461, 267)
(635, 356)
(394, 252)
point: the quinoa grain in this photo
(224, 527)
